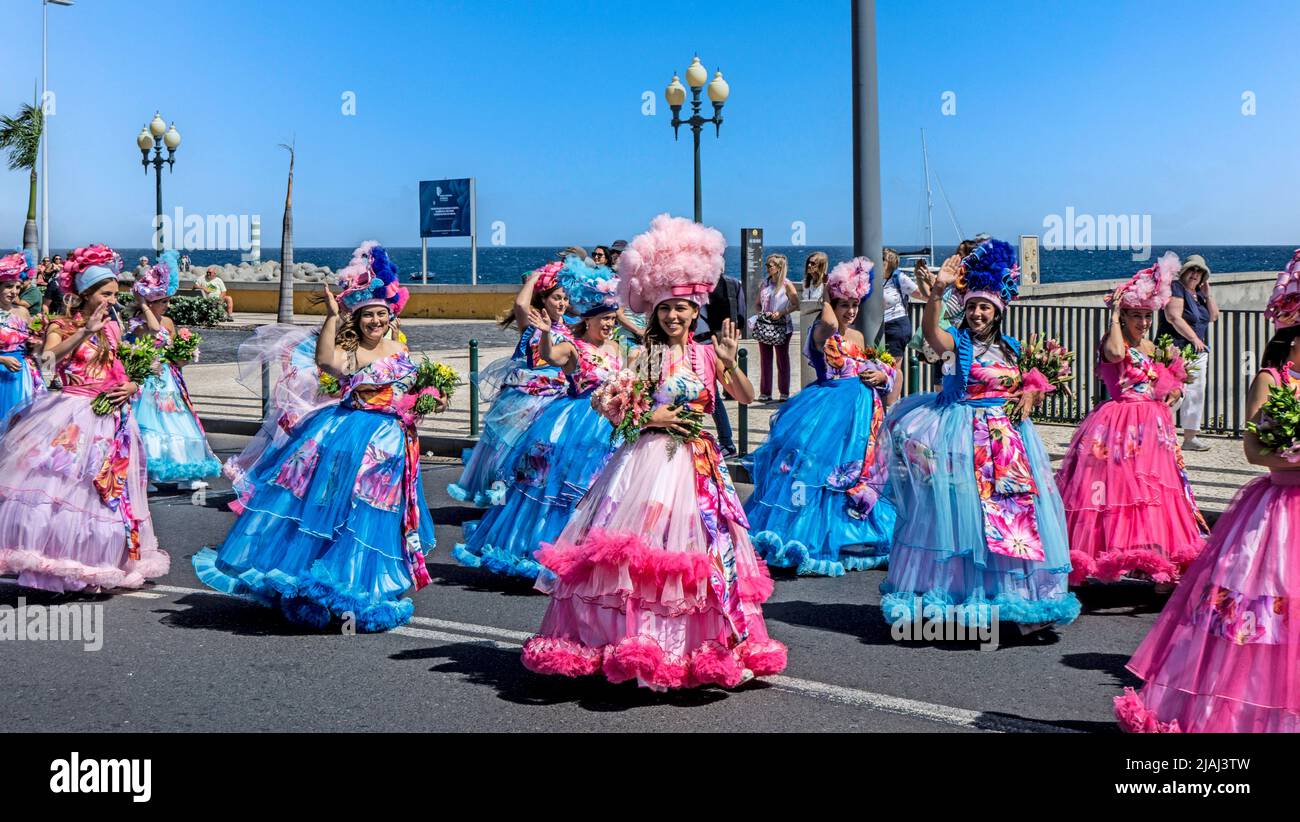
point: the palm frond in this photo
(20, 136)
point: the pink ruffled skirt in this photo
(1128, 505)
(56, 533)
(1224, 656)
(629, 580)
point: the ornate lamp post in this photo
(675, 94)
(155, 136)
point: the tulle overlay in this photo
(321, 533)
(289, 354)
(175, 445)
(1224, 653)
(798, 513)
(56, 530)
(980, 520)
(559, 458)
(520, 388)
(654, 578)
(1128, 502)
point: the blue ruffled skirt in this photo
(16, 387)
(797, 512)
(321, 535)
(940, 554)
(175, 447)
(490, 464)
(559, 458)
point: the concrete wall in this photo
(1244, 291)
(483, 302)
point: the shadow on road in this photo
(233, 615)
(10, 594)
(501, 669)
(1112, 664)
(1125, 598)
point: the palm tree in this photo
(21, 137)
(286, 250)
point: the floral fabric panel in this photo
(1006, 487)
(1241, 619)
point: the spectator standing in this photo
(772, 326)
(1187, 319)
(897, 290)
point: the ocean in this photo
(506, 264)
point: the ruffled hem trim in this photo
(160, 471)
(314, 601)
(976, 609)
(496, 561)
(781, 553)
(646, 565)
(1134, 717)
(479, 499)
(643, 659)
(155, 563)
(1110, 566)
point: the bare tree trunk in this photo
(30, 239)
(285, 314)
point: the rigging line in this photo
(961, 235)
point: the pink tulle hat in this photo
(1149, 288)
(13, 267)
(851, 280)
(675, 259)
(1284, 306)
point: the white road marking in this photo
(941, 714)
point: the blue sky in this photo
(1108, 107)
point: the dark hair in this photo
(538, 302)
(998, 334)
(1278, 351)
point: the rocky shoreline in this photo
(264, 272)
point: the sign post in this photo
(447, 209)
(751, 266)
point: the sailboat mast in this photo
(929, 202)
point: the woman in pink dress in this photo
(1128, 504)
(1225, 652)
(654, 578)
(73, 510)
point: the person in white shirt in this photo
(212, 286)
(897, 291)
(814, 276)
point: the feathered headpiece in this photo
(591, 289)
(852, 279)
(675, 259)
(1284, 305)
(1149, 288)
(162, 280)
(547, 276)
(990, 272)
(370, 278)
(14, 267)
(87, 267)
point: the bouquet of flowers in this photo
(1278, 428)
(1177, 360)
(434, 381)
(627, 401)
(1051, 359)
(880, 355)
(184, 348)
(329, 384)
(140, 361)
(37, 324)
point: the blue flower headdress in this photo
(370, 278)
(990, 272)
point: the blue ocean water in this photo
(506, 264)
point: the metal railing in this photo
(1236, 342)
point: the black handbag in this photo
(770, 332)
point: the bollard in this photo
(913, 372)
(266, 390)
(743, 359)
(473, 388)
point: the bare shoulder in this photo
(854, 336)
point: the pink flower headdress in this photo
(851, 280)
(675, 259)
(1149, 288)
(1284, 305)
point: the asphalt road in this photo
(178, 657)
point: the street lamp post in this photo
(155, 136)
(45, 125)
(675, 94)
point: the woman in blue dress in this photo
(817, 505)
(565, 448)
(528, 383)
(175, 445)
(336, 524)
(20, 378)
(980, 522)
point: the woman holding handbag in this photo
(772, 326)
